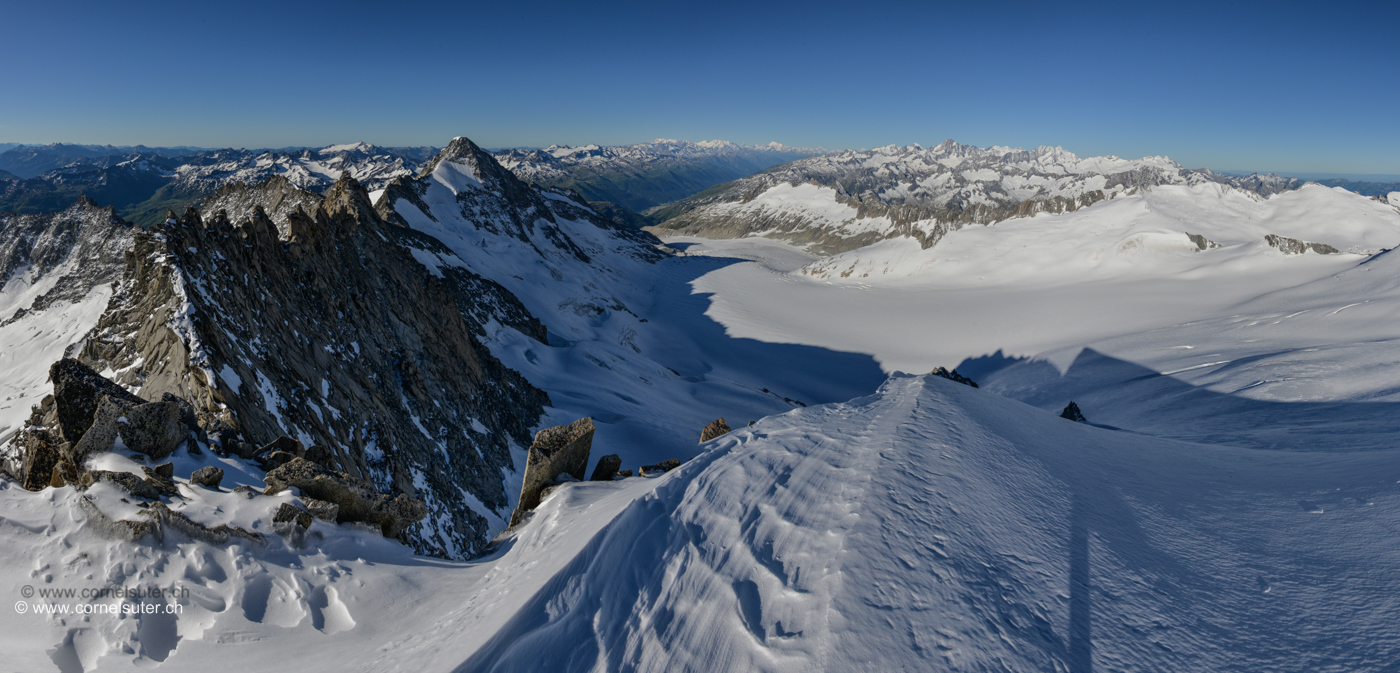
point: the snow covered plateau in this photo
(1230, 502)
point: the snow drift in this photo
(934, 526)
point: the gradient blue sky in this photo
(1260, 86)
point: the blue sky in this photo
(1258, 86)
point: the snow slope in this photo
(928, 526)
(1050, 282)
(937, 527)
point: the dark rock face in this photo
(207, 476)
(607, 468)
(331, 333)
(1073, 413)
(663, 466)
(77, 390)
(356, 499)
(558, 450)
(716, 428)
(40, 458)
(104, 428)
(953, 376)
(1293, 246)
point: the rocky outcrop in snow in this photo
(1293, 246)
(558, 450)
(714, 429)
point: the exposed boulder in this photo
(663, 466)
(356, 498)
(953, 376)
(207, 476)
(154, 428)
(624, 473)
(607, 468)
(132, 483)
(1073, 413)
(77, 390)
(246, 491)
(557, 450)
(714, 429)
(291, 513)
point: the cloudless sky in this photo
(1259, 86)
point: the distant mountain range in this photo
(643, 176)
(847, 200)
(144, 182)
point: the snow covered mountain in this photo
(847, 200)
(1228, 503)
(56, 273)
(143, 185)
(642, 176)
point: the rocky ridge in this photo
(327, 331)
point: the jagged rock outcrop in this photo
(332, 334)
(355, 499)
(661, 467)
(1073, 413)
(1202, 243)
(562, 449)
(292, 514)
(953, 376)
(1293, 246)
(607, 468)
(716, 428)
(141, 488)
